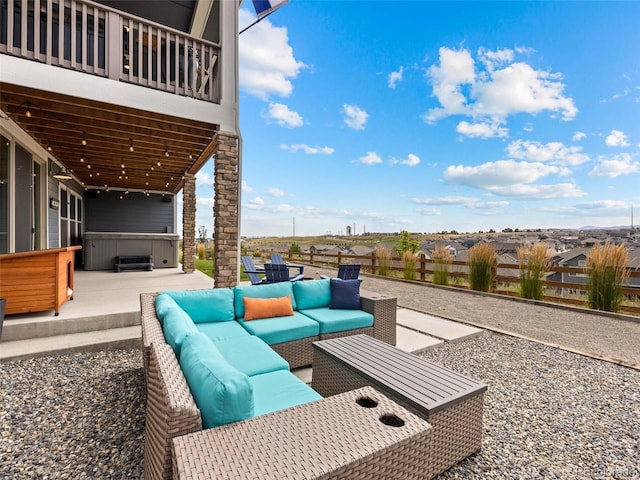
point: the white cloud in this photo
(616, 139)
(256, 202)
(395, 77)
(283, 116)
(500, 89)
(603, 206)
(267, 63)
(246, 187)
(283, 208)
(553, 152)
(204, 178)
(355, 117)
(615, 166)
(276, 192)
(371, 158)
(511, 178)
(296, 147)
(482, 130)
(468, 202)
(411, 161)
(578, 136)
(429, 212)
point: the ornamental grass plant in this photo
(409, 265)
(483, 266)
(442, 259)
(383, 257)
(607, 273)
(535, 261)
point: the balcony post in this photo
(226, 209)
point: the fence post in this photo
(373, 262)
(311, 257)
(423, 266)
(339, 258)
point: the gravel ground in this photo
(548, 414)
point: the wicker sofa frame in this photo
(171, 410)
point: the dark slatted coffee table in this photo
(452, 403)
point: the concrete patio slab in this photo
(436, 327)
(414, 342)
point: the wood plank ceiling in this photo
(108, 146)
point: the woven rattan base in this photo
(340, 437)
(456, 421)
(297, 352)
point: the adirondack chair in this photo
(277, 259)
(347, 271)
(275, 272)
(252, 272)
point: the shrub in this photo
(483, 267)
(607, 272)
(441, 260)
(409, 265)
(405, 244)
(534, 261)
(201, 251)
(383, 256)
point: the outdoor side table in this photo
(338, 437)
(452, 403)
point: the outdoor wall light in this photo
(62, 175)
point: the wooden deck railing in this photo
(98, 40)
(507, 280)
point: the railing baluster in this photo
(36, 29)
(49, 47)
(23, 29)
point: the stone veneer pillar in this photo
(225, 210)
(189, 224)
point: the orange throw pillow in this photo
(255, 308)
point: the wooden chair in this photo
(279, 273)
(252, 272)
(347, 271)
(277, 259)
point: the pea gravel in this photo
(549, 414)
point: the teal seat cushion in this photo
(163, 303)
(222, 393)
(282, 329)
(279, 390)
(177, 326)
(312, 294)
(334, 320)
(271, 290)
(222, 330)
(250, 355)
(210, 305)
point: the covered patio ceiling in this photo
(93, 140)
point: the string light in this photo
(131, 145)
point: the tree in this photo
(202, 232)
(405, 244)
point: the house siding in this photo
(134, 213)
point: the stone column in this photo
(189, 224)
(225, 210)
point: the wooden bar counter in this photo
(37, 281)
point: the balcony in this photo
(97, 40)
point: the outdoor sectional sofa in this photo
(206, 365)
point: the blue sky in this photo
(432, 116)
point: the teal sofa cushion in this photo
(250, 355)
(163, 303)
(272, 290)
(222, 393)
(222, 330)
(312, 294)
(210, 305)
(279, 390)
(282, 329)
(333, 320)
(177, 326)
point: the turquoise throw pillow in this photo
(177, 326)
(222, 393)
(210, 305)
(312, 294)
(345, 294)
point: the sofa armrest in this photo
(170, 410)
(383, 308)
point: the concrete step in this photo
(435, 326)
(19, 327)
(94, 341)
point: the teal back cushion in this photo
(312, 294)
(177, 326)
(163, 304)
(222, 393)
(271, 290)
(210, 305)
